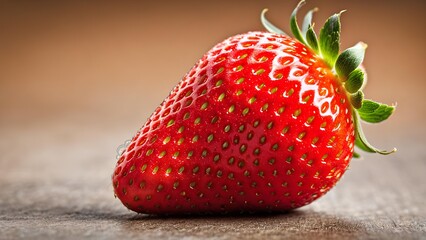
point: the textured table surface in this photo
(76, 80)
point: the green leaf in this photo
(349, 60)
(361, 141)
(356, 99)
(307, 21)
(374, 112)
(355, 81)
(311, 39)
(329, 39)
(268, 25)
(293, 23)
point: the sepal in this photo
(356, 155)
(268, 25)
(355, 81)
(374, 112)
(356, 99)
(307, 21)
(349, 60)
(311, 39)
(329, 39)
(293, 23)
(361, 141)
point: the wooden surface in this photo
(77, 80)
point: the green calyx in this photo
(345, 64)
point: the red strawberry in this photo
(261, 122)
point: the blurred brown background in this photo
(77, 78)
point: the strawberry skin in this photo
(259, 123)
(263, 122)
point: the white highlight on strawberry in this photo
(295, 66)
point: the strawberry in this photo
(263, 122)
